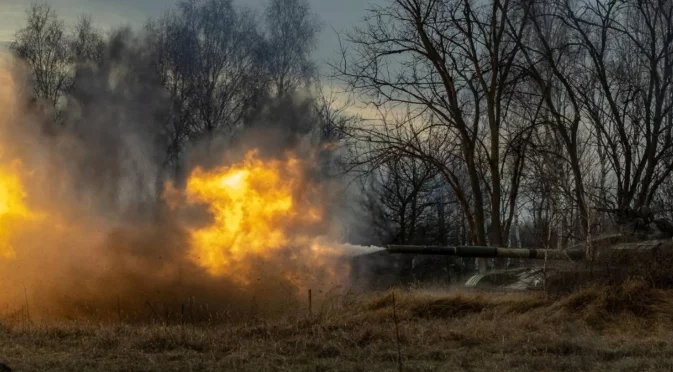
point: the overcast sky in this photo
(335, 14)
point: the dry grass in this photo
(625, 328)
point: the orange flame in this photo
(257, 209)
(13, 209)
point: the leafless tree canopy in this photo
(291, 37)
(44, 45)
(526, 109)
(496, 122)
(217, 62)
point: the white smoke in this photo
(359, 250)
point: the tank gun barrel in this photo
(488, 252)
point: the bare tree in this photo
(454, 64)
(87, 44)
(550, 60)
(292, 32)
(629, 48)
(332, 115)
(406, 195)
(44, 46)
(208, 56)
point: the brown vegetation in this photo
(598, 328)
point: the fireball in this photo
(258, 208)
(13, 209)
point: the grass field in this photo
(629, 328)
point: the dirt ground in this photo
(629, 328)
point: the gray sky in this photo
(335, 14)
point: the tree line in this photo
(498, 122)
(524, 115)
(217, 64)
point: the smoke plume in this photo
(107, 234)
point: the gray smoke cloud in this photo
(116, 246)
(112, 120)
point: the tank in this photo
(639, 241)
